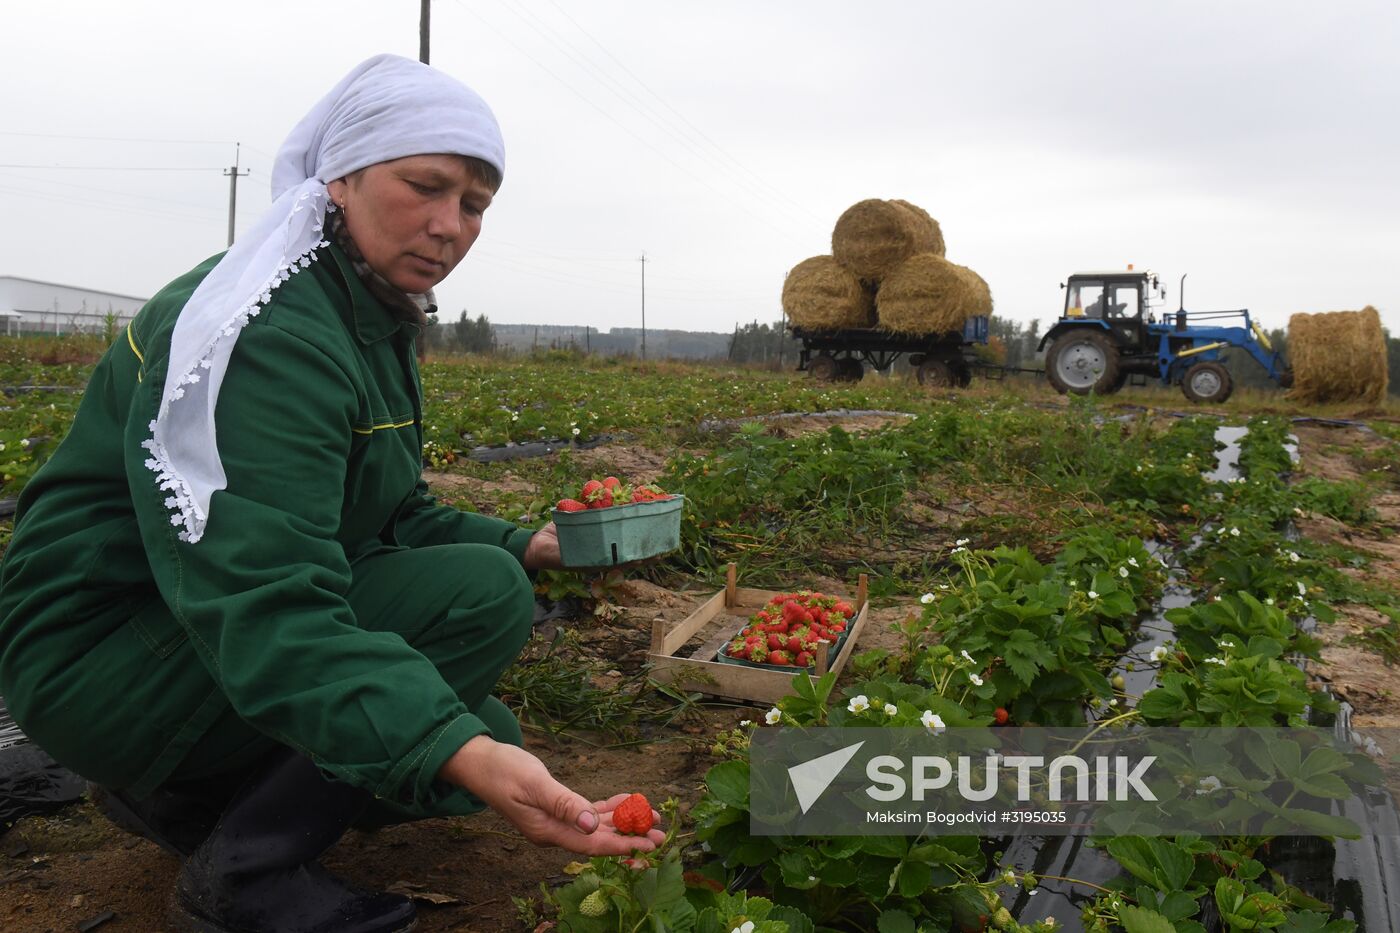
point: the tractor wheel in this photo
(1207, 381)
(850, 369)
(1083, 361)
(823, 367)
(936, 374)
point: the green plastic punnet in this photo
(619, 534)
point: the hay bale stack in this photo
(927, 294)
(819, 294)
(1339, 356)
(931, 233)
(874, 236)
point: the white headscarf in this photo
(386, 108)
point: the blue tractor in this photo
(1109, 334)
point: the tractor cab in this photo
(1119, 300)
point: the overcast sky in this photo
(1254, 145)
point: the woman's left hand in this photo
(542, 553)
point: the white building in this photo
(32, 306)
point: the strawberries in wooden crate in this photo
(790, 629)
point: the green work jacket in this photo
(120, 644)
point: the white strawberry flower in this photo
(1208, 784)
(967, 657)
(891, 709)
(1221, 661)
(858, 704)
(745, 927)
(961, 541)
(1293, 556)
(926, 598)
(1133, 561)
(773, 716)
(1234, 532)
(1159, 653)
(745, 723)
(976, 681)
(1123, 572)
(932, 720)
(576, 432)
(1302, 590)
(1093, 595)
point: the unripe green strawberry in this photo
(1118, 682)
(594, 905)
(1002, 918)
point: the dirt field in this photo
(71, 871)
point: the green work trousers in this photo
(467, 608)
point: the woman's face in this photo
(413, 218)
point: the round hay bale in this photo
(1338, 356)
(931, 235)
(874, 236)
(819, 294)
(927, 294)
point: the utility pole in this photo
(644, 305)
(424, 15)
(232, 173)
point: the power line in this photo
(117, 168)
(90, 204)
(120, 194)
(739, 204)
(698, 132)
(648, 113)
(120, 139)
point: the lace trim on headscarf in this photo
(403, 305)
(183, 502)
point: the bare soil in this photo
(1355, 672)
(64, 872)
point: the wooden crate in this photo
(716, 622)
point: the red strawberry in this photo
(794, 643)
(803, 659)
(611, 482)
(792, 612)
(779, 657)
(642, 494)
(601, 500)
(570, 505)
(775, 641)
(845, 608)
(1001, 716)
(591, 490)
(633, 816)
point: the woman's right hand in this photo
(520, 788)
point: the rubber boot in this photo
(257, 871)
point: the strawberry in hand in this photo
(633, 817)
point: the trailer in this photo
(946, 359)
